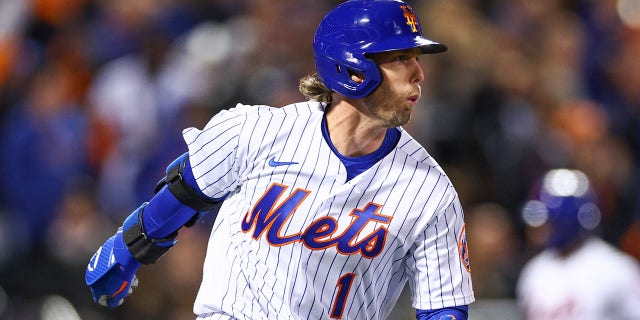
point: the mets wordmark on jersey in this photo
(293, 240)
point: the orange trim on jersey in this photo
(260, 223)
(268, 221)
(296, 236)
(343, 295)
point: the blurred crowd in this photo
(94, 95)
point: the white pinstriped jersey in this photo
(293, 240)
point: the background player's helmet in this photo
(565, 200)
(356, 28)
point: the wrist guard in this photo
(141, 247)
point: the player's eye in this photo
(402, 57)
(398, 56)
(406, 57)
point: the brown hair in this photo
(313, 88)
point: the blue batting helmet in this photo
(356, 28)
(565, 200)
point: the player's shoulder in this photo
(303, 108)
(417, 153)
(254, 114)
(542, 260)
(298, 108)
(597, 249)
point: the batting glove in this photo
(111, 272)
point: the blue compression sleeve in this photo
(450, 313)
(164, 214)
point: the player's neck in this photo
(353, 133)
(570, 248)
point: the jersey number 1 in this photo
(339, 302)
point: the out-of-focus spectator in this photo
(42, 147)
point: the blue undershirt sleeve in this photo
(450, 313)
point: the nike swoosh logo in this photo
(274, 163)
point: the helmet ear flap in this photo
(350, 80)
(356, 77)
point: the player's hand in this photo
(111, 272)
(117, 298)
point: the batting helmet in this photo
(356, 28)
(565, 200)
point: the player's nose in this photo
(417, 75)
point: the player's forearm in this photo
(146, 234)
(164, 214)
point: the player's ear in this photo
(356, 76)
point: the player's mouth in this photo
(413, 99)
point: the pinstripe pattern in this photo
(247, 277)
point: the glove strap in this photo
(143, 248)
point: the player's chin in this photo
(401, 118)
(408, 109)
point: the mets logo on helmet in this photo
(463, 249)
(410, 15)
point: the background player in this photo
(328, 207)
(578, 276)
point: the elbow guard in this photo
(182, 185)
(150, 231)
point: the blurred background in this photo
(94, 95)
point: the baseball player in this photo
(579, 276)
(327, 207)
